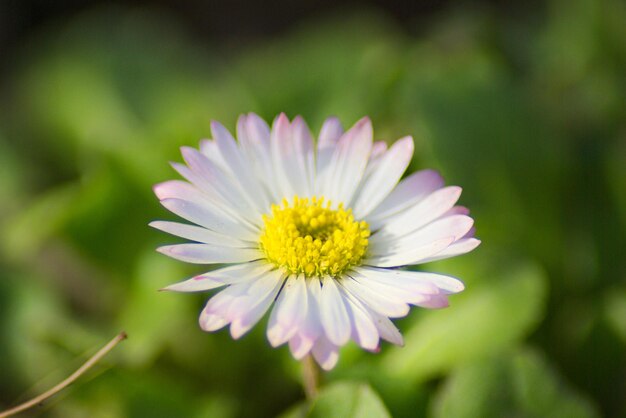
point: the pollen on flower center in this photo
(309, 237)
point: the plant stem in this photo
(310, 377)
(68, 381)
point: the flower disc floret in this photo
(308, 237)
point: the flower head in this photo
(315, 231)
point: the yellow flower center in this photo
(308, 237)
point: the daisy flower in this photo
(316, 232)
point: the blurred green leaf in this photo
(22, 233)
(615, 310)
(513, 384)
(152, 318)
(349, 400)
(484, 319)
(342, 399)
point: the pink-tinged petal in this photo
(249, 309)
(210, 150)
(408, 281)
(384, 178)
(235, 274)
(378, 149)
(178, 189)
(292, 155)
(216, 182)
(199, 234)
(258, 130)
(329, 135)
(471, 233)
(423, 282)
(406, 194)
(212, 322)
(208, 254)
(325, 353)
(300, 346)
(386, 329)
(408, 257)
(289, 311)
(429, 209)
(195, 284)
(215, 313)
(400, 293)
(310, 327)
(348, 162)
(364, 332)
(457, 210)
(203, 216)
(254, 136)
(455, 226)
(383, 303)
(302, 164)
(281, 145)
(239, 167)
(460, 247)
(333, 315)
(435, 302)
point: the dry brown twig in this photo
(68, 381)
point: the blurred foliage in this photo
(525, 112)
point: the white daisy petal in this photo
(329, 135)
(386, 329)
(289, 311)
(217, 183)
(333, 315)
(305, 158)
(407, 193)
(325, 353)
(239, 273)
(176, 189)
(199, 234)
(380, 183)
(427, 210)
(455, 226)
(401, 292)
(209, 254)
(311, 327)
(239, 167)
(204, 216)
(364, 332)
(211, 151)
(195, 284)
(410, 281)
(299, 346)
(292, 153)
(348, 162)
(378, 149)
(460, 247)
(412, 256)
(281, 146)
(435, 302)
(215, 313)
(386, 303)
(254, 138)
(249, 309)
(417, 281)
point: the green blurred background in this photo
(521, 104)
